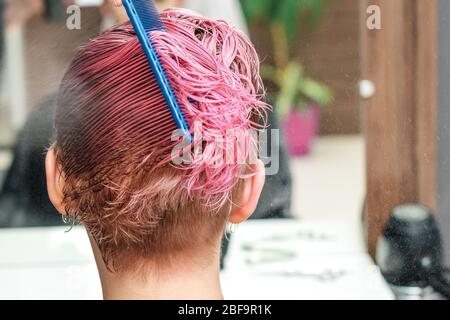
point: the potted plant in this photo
(296, 97)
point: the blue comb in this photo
(145, 18)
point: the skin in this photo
(118, 3)
(167, 3)
(20, 11)
(192, 275)
(114, 8)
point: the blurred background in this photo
(359, 92)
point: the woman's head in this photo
(111, 166)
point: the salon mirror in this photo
(360, 126)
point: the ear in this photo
(250, 191)
(55, 181)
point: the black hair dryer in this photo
(409, 254)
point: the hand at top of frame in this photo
(117, 3)
(19, 11)
(177, 3)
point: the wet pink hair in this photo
(113, 131)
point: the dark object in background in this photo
(2, 30)
(23, 200)
(409, 253)
(54, 10)
(276, 196)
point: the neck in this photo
(189, 280)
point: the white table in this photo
(324, 260)
(311, 259)
(47, 263)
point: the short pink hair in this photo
(113, 134)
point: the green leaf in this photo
(286, 17)
(258, 9)
(269, 72)
(316, 13)
(287, 14)
(313, 10)
(288, 88)
(292, 13)
(316, 92)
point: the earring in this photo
(66, 219)
(232, 227)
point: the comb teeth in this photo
(148, 14)
(145, 18)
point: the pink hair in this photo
(112, 123)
